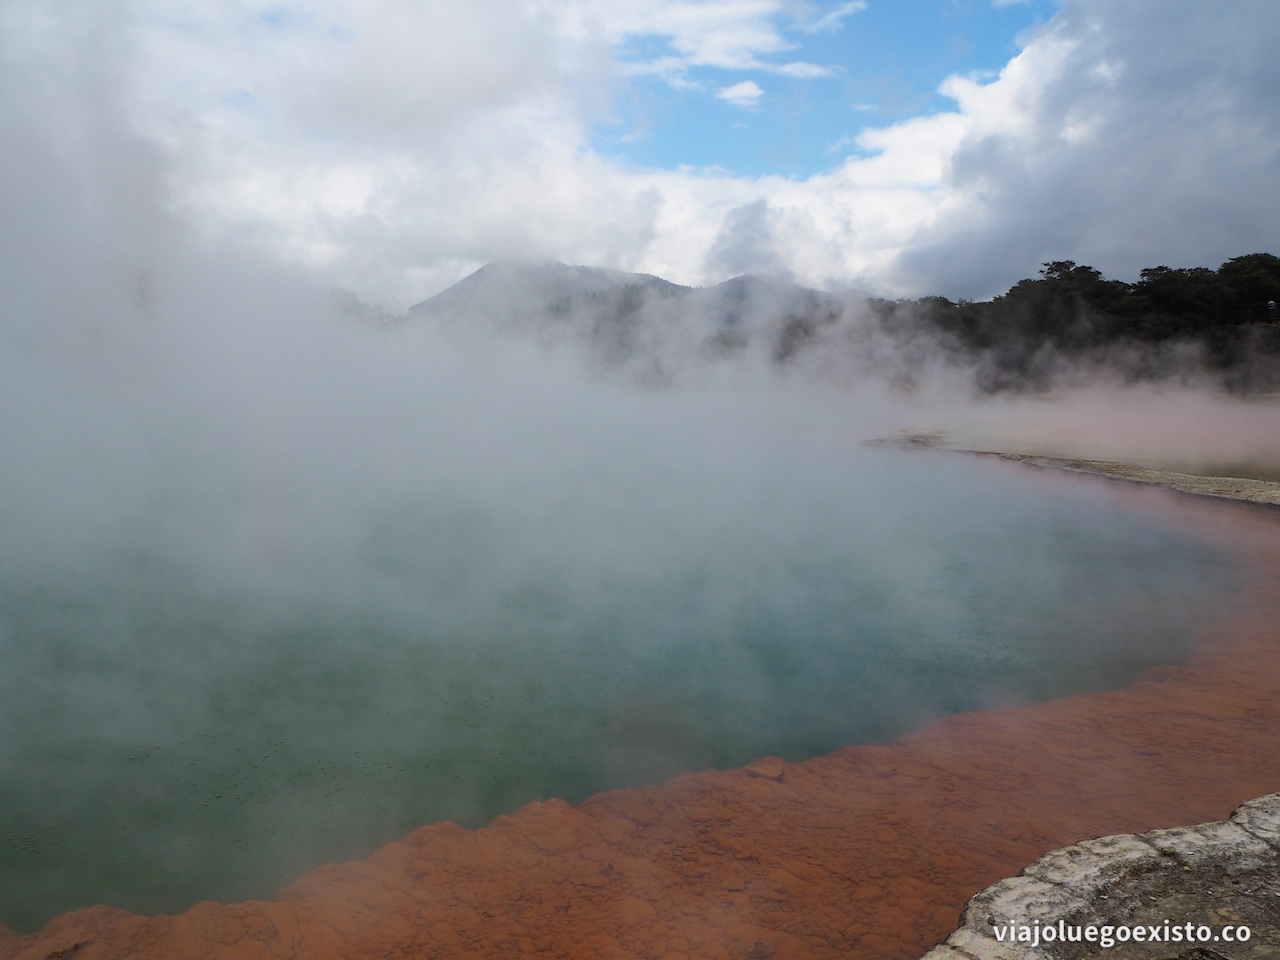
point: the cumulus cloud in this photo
(392, 146)
(1119, 137)
(746, 94)
(746, 243)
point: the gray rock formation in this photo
(1179, 893)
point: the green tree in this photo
(1253, 278)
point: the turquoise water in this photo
(183, 721)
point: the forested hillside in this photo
(1069, 326)
(1223, 320)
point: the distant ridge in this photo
(652, 325)
(1071, 325)
(504, 289)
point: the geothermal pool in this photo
(237, 678)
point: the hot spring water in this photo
(264, 663)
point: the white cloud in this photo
(746, 94)
(728, 34)
(746, 242)
(1121, 136)
(392, 146)
(721, 34)
(803, 71)
(833, 20)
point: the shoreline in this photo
(1258, 490)
(871, 851)
(1265, 493)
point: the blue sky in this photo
(886, 62)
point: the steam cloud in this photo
(274, 576)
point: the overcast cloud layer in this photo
(393, 146)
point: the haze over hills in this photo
(1069, 326)
(655, 329)
(512, 287)
(506, 291)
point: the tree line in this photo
(1022, 338)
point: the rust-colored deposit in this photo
(870, 852)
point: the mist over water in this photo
(278, 588)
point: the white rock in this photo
(984, 947)
(1092, 864)
(1261, 817)
(1224, 842)
(1016, 900)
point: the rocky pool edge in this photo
(1193, 880)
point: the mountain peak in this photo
(508, 286)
